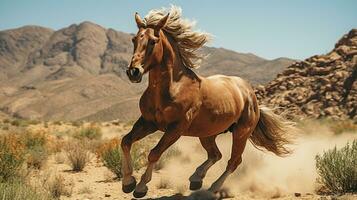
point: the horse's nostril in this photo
(135, 72)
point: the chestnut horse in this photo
(179, 102)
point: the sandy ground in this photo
(261, 175)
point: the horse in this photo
(179, 102)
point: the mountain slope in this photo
(78, 72)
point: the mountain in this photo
(320, 86)
(78, 72)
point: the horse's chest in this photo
(162, 114)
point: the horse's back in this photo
(224, 99)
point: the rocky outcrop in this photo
(320, 86)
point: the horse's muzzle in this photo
(134, 74)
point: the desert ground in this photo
(260, 176)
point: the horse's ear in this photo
(139, 22)
(162, 22)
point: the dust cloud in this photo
(261, 174)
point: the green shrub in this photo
(20, 191)
(37, 153)
(12, 157)
(337, 169)
(111, 156)
(90, 132)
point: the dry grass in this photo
(56, 186)
(36, 144)
(77, 155)
(21, 191)
(12, 157)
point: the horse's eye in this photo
(152, 42)
(133, 39)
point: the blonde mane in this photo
(188, 41)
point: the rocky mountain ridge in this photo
(320, 86)
(78, 72)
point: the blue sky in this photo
(268, 28)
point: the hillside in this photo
(78, 72)
(320, 86)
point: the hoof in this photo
(195, 185)
(129, 188)
(139, 194)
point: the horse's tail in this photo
(273, 133)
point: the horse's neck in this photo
(171, 69)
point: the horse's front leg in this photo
(140, 129)
(169, 138)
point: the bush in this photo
(337, 169)
(12, 157)
(91, 132)
(37, 157)
(20, 191)
(77, 155)
(111, 156)
(36, 144)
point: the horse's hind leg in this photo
(240, 136)
(213, 154)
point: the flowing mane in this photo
(188, 41)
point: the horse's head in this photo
(148, 49)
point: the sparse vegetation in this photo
(35, 143)
(56, 186)
(12, 157)
(110, 154)
(91, 132)
(77, 155)
(20, 191)
(337, 169)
